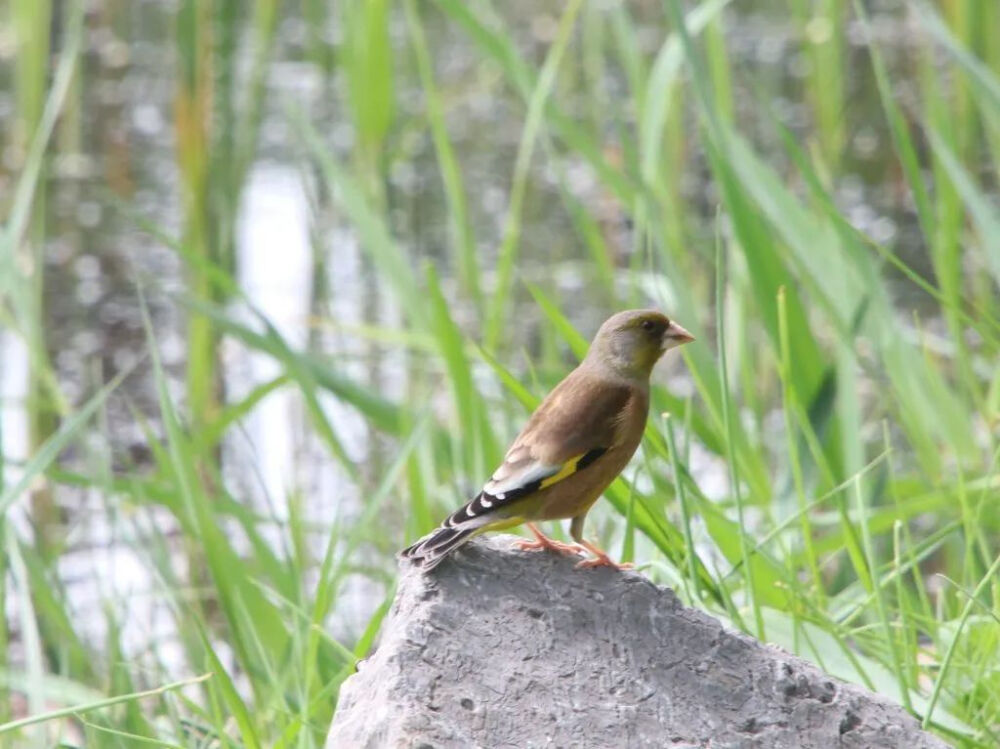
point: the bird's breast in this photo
(575, 495)
(632, 422)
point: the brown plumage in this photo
(574, 445)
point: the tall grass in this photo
(32, 21)
(827, 479)
(217, 114)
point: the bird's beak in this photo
(675, 335)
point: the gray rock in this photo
(498, 648)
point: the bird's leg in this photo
(601, 558)
(544, 542)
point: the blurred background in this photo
(281, 279)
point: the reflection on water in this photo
(13, 394)
(275, 271)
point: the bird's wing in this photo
(574, 426)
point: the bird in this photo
(577, 441)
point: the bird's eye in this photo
(648, 325)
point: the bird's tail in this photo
(428, 552)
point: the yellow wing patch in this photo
(573, 465)
(568, 469)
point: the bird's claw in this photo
(549, 545)
(604, 560)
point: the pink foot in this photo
(549, 544)
(601, 559)
(604, 562)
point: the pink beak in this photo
(677, 335)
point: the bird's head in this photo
(631, 342)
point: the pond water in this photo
(300, 261)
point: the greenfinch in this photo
(573, 446)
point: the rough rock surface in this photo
(498, 648)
